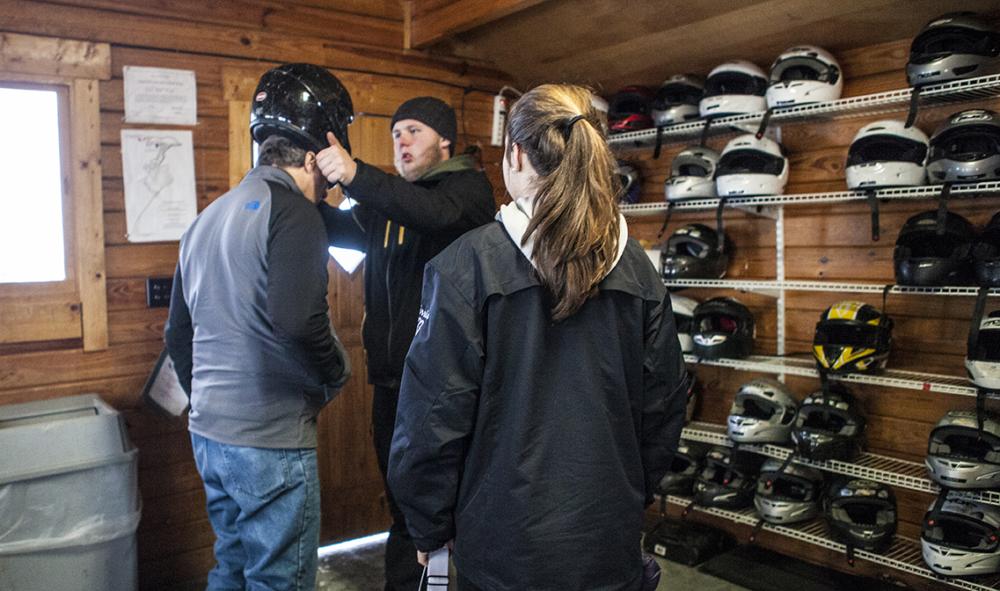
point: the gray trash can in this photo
(69, 501)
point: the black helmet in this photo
(852, 337)
(695, 251)
(861, 513)
(687, 464)
(301, 102)
(953, 46)
(928, 253)
(986, 254)
(728, 479)
(828, 426)
(629, 109)
(966, 149)
(722, 327)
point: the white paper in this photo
(160, 95)
(158, 173)
(163, 389)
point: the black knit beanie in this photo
(432, 112)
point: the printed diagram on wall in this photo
(158, 173)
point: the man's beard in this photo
(414, 173)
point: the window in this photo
(31, 229)
(52, 268)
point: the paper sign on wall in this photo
(158, 173)
(160, 95)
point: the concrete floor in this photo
(360, 569)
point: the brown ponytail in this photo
(575, 219)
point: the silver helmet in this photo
(966, 149)
(961, 456)
(763, 411)
(982, 360)
(790, 495)
(961, 537)
(677, 99)
(692, 174)
(953, 46)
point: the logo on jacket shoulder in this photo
(252, 205)
(422, 317)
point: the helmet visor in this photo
(717, 323)
(786, 486)
(671, 95)
(967, 144)
(725, 83)
(827, 420)
(757, 408)
(959, 531)
(865, 512)
(886, 148)
(847, 334)
(803, 68)
(629, 104)
(946, 41)
(987, 346)
(749, 161)
(691, 169)
(690, 247)
(965, 444)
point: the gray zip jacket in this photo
(248, 329)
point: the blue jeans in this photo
(264, 507)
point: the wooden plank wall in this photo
(362, 44)
(833, 242)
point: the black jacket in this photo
(536, 446)
(400, 226)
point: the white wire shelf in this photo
(890, 378)
(899, 193)
(857, 106)
(903, 555)
(773, 287)
(885, 469)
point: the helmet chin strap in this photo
(911, 116)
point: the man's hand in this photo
(422, 557)
(335, 163)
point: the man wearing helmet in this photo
(401, 222)
(252, 345)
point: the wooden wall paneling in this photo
(281, 18)
(26, 16)
(427, 27)
(67, 58)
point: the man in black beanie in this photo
(401, 222)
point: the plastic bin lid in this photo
(58, 435)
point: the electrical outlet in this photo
(499, 119)
(158, 291)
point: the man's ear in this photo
(443, 143)
(309, 164)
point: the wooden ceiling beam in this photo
(429, 27)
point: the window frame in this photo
(75, 308)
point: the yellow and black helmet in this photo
(852, 337)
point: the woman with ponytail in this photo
(543, 395)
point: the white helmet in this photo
(683, 316)
(751, 166)
(788, 493)
(982, 360)
(804, 74)
(692, 174)
(961, 537)
(734, 88)
(887, 154)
